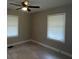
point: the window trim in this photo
(64, 28)
(18, 28)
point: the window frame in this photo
(17, 26)
(64, 28)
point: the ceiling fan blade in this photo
(34, 6)
(29, 9)
(15, 4)
(18, 8)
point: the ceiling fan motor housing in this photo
(23, 4)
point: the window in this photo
(12, 25)
(56, 27)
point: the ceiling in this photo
(44, 4)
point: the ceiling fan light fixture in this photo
(24, 8)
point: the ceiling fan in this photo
(24, 6)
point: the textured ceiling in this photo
(44, 4)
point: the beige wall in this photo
(39, 27)
(24, 26)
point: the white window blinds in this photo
(56, 27)
(12, 25)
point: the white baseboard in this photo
(52, 48)
(17, 43)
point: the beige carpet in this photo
(33, 51)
